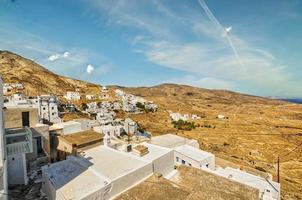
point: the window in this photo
(52, 108)
(207, 165)
(190, 164)
(183, 162)
(177, 159)
(44, 108)
(53, 113)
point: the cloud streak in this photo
(210, 57)
(213, 19)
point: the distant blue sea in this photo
(293, 100)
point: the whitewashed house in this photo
(66, 128)
(268, 189)
(18, 143)
(173, 141)
(195, 117)
(101, 173)
(104, 96)
(104, 89)
(48, 108)
(91, 97)
(105, 117)
(116, 105)
(220, 116)
(194, 157)
(73, 96)
(130, 126)
(110, 130)
(119, 93)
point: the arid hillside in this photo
(254, 133)
(37, 79)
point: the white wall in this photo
(209, 162)
(17, 171)
(47, 187)
(124, 183)
(3, 162)
(69, 128)
(164, 164)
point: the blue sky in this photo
(148, 42)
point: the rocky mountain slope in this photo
(257, 130)
(37, 79)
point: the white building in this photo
(220, 116)
(66, 128)
(8, 87)
(102, 173)
(130, 126)
(194, 117)
(3, 160)
(173, 141)
(110, 130)
(162, 158)
(104, 89)
(48, 108)
(178, 116)
(91, 97)
(85, 123)
(268, 189)
(73, 96)
(18, 142)
(191, 156)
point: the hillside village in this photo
(67, 118)
(103, 156)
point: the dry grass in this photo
(246, 138)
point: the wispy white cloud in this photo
(89, 69)
(70, 63)
(214, 56)
(57, 56)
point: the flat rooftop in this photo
(73, 178)
(193, 152)
(168, 140)
(154, 151)
(112, 163)
(251, 180)
(81, 138)
(190, 183)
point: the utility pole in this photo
(278, 170)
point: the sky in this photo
(252, 47)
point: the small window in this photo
(52, 108)
(44, 108)
(53, 113)
(190, 164)
(183, 162)
(207, 165)
(177, 159)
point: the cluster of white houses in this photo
(184, 117)
(96, 159)
(130, 102)
(9, 87)
(75, 95)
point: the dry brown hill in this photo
(256, 132)
(37, 79)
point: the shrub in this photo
(184, 125)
